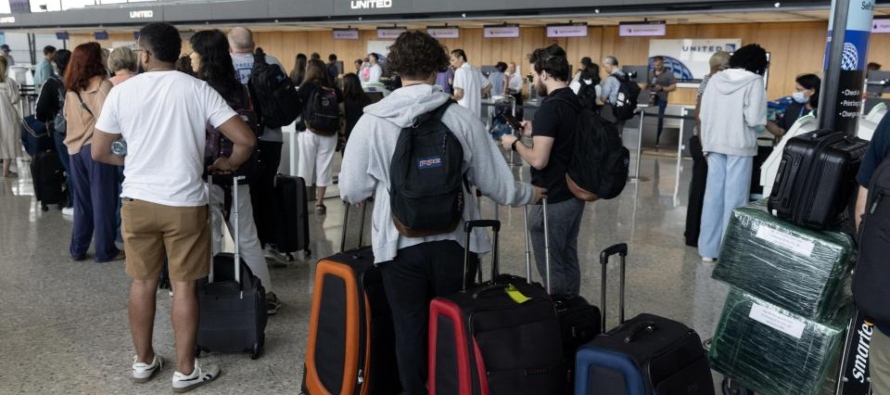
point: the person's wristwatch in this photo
(513, 146)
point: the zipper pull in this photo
(874, 205)
(361, 378)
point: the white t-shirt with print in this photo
(471, 81)
(163, 115)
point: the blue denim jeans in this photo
(66, 163)
(564, 223)
(662, 105)
(94, 186)
(728, 187)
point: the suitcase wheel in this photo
(306, 253)
(44, 207)
(256, 351)
(288, 257)
(731, 387)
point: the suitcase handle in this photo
(237, 233)
(494, 287)
(468, 229)
(621, 251)
(528, 249)
(640, 329)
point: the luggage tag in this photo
(517, 296)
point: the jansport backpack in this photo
(426, 177)
(322, 112)
(870, 290)
(273, 93)
(599, 165)
(628, 92)
(219, 146)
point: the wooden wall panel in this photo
(796, 48)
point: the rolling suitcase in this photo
(645, 355)
(816, 184)
(579, 321)
(49, 179)
(351, 346)
(231, 301)
(500, 337)
(696, 192)
(292, 222)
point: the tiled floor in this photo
(63, 324)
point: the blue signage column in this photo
(846, 55)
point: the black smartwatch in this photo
(513, 146)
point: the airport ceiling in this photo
(800, 14)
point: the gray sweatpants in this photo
(564, 221)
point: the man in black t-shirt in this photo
(553, 133)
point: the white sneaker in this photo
(143, 372)
(68, 211)
(185, 383)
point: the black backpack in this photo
(274, 94)
(587, 95)
(626, 104)
(870, 290)
(321, 114)
(426, 177)
(599, 165)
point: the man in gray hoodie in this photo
(733, 111)
(415, 269)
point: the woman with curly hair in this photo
(94, 184)
(212, 62)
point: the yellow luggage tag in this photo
(517, 296)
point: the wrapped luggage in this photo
(775, 352)
(804, 271)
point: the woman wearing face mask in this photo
(806, 99)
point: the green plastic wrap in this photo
(775, 352)
(801, 270)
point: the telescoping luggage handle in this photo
(361, 229)
(621, 251)
(528, 247)
(235, 225)
(468, 229)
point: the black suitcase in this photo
(48, 178)
(500, 337)
(696, 192)
(349, 307)
(231, 301)
(645, 355)
(816, 181)
(292, 222)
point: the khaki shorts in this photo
(879, 362)
(153, 231)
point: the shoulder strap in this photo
(440, 112)
(83, 105)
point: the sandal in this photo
(320, 209)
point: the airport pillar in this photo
(846, 56)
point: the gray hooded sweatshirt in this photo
(733, 110)
(365, 168)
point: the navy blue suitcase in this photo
(646, 355)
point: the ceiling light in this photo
(777, 5)
(464, 15)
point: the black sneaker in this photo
(272, 304)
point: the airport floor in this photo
(64, 329)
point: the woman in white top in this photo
(375, 71)
(10, 119)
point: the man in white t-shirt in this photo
(256, 218)
(468, 84)
(161, 116)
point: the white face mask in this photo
(800, 97)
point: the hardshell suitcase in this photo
(696, 192)
(292, 222)
(351, 346)
(231, 301)
(815, 184)
(646, 355)
(500, 337)
(49, 178)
